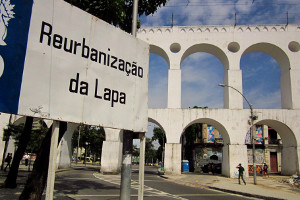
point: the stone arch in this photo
(214, 123)
(21, 120)
(283, 60)
(157, 123)
(226, 140)
(161, 52)
(207, 48)
(289, 161)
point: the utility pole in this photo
(172, 23)
(126, 166)
(125, 190)
(235, 20)
(253, 144)
(78, 144)
(251, 130)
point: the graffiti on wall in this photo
(210, 134)
(259, 135)
(259, 159)
(248, 138)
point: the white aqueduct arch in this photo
(229, 44)
(284, 63)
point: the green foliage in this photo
(135, 151)
(38, 133)
(93, 136)
(159, 134)
(117, 12)
(150, 152)
(191, 132)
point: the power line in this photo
(234, 18)
(254, 2)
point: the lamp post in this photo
(86, 146)
(163, 152)
(78, 145)
(251, 129)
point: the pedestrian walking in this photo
(26, 159)
(265, 170)
(8, 160)
(213, 167)
(241, 173)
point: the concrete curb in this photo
(244, 193)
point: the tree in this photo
(117, 12)
(190, 135)
(36, 182)
(159, 134)
(38, 132)
(93, 135)
(26, 139)
(11, 179)
(150, 151)
(135, 151)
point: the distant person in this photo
(265, 170)
(26, 159)
(213, 167)
(241, 173)
(8, 160)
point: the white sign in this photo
(76, 68)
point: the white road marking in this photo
(135, 185)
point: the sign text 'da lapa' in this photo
(61, 63)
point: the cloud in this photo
(244, 6)
(202, 72)
(263, 99)
(158, 82)
(207, 12)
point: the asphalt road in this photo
(88, 184)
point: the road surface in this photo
(83, 183)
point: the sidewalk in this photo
(273, 187)
(12, 194)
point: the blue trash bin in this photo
(185, 166)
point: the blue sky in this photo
(202, 72)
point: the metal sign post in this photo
(142, 166)
(125, 190)
(127, 144)
(52, 161)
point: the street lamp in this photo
(86, 146)
(251, 129)
(78, 145)
(163, 152)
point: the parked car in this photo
(215, 168)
